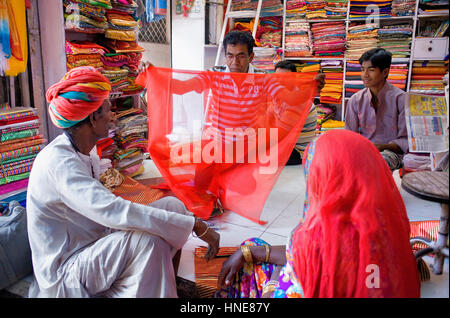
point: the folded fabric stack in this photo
(331, 124)
(336, 9)
(297, 39)
(398, 74)
(131, 141)
(121, 66)
(361, 37)
(309, 66)
(431, 7)
(84, 53)
(265, 58)
(331, 93)
(324, 113)
(427, 77)
(20, 142)
(122, 20)
(295, 10)
(86, 16)
(308, 131)
(373, 8)
(353, 81)
(328, 39)
(272, 36)
(268, 7)
(403, 7)
(315, 9)
(396, 39)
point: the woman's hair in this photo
(378, 57)
(287, 65)
(239, 37)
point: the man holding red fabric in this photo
(85, 241)
(236, 100)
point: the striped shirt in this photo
(233, 105)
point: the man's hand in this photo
(143, 66)
(320, 77)
(208, 235)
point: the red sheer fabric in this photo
(224, 136)
(355, 238)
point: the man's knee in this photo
(171, 204)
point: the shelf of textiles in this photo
(102, 34)
(331, 94)
(20, 142)
(269, 8)
(433, 7)
(398, 75)
(126, 144)
(318, 40)
(427, 77)
(394, 36)
(268, 39)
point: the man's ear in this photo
(386, 72)
(92, 119)
(250, 59)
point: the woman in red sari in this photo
(353, 240)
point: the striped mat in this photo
(207, 273)
(428, 229)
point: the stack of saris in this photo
(336, 9)
(295, 9)
(398, 74)
(297, 39)
(396, 39)
(84, 53)
(86, 16)
(20, 142)
(427, 77)
(373, 8)
(265, 58)
(331, 93)
(122, 20)
(131, 140)
(328, 39)
(315, 9)
(361, 37)
(353, 81)
(324, 113)
(403, 7)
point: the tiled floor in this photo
(282, 213)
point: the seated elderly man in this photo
(85, 241)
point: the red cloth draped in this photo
(274, 106)
(356, 223)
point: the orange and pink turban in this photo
(81, 92)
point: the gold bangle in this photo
(266, 260)
(247, 254)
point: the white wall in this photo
(156, 53)
(188, 38)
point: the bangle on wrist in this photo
(266, 260)
(247, 254)
(199, 236)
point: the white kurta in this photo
(85, 241)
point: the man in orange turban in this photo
(85, 241)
